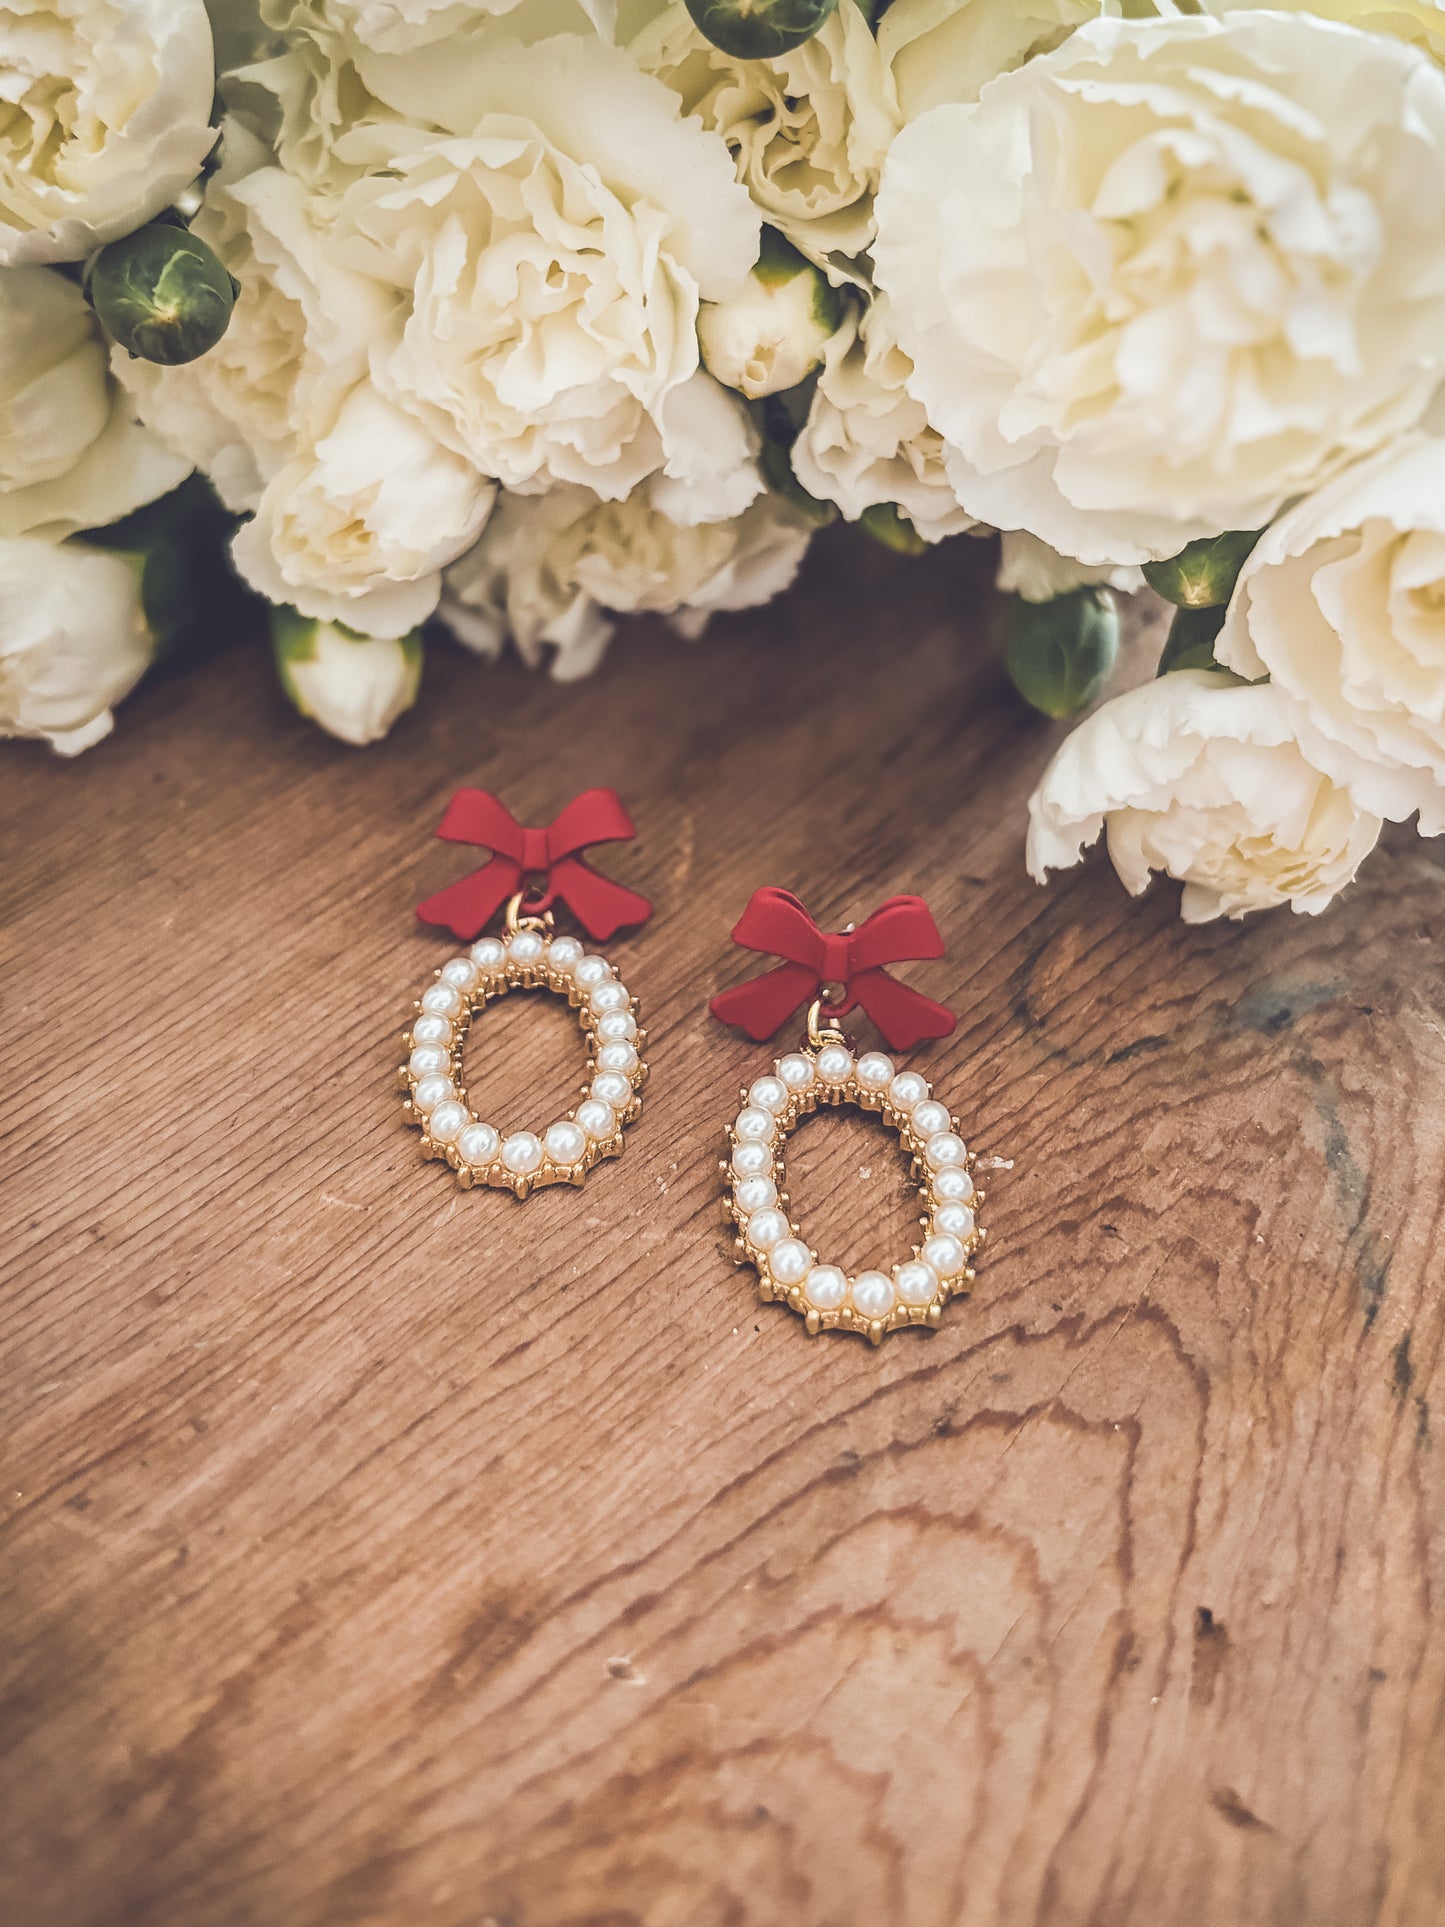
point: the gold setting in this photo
(498, 980)
(803, 1102)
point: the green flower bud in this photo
(887, 525)
(1190, 644)
(759, 29)
(772, 334)
(1060, 652)
(354, 686)
(1202, 576)
(161, 294)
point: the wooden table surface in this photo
(374, 1551)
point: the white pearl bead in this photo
(488, 953)
(428, 1059)
(565, 1141)
(597, 1120)
(754, 1194)
(441, 999)
(825, 1287)
(609, 996)
(916, 1283)
(796, 1071)
(953, 1184)
(790, 1262)
(617, 1027)
(752, 1160)
(953, 1221)
(875, 1071)
(590, 972)
(611, 1087)
(755, 1127)
(431, 1030)
(945, 1148)
(768, 1094)
(908, 1089)
(835, 1065)
(563, 953)
(930, 1118)
(945, 1254)
(478, 1144)
(873, 1294)
(461, 972)
(618, 1057)
(768, 1228)
(432, 1091)
(527, 947)
(447, 1121)
(521, 1153)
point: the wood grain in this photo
(375, 1552)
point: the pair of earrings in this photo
(531, 872)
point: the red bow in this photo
(898, 931)
(550, 855)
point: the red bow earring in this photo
(837, 973)
(530, 872)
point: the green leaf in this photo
(1203, 575)
(886, 524)
(1060, 653)
(1190, 643)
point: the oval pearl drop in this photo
(768, 1228)
(565, 1141)
(478, 1144)
(953, 1184)
(953, 1221)
(754, 1194)
(429, 1059)
(790, 1262)
(609, 996)
(875, 1071)
(611, 1087)
(931, 1119)
(488, 953)
(521, 1153)
(945, 1254)
(460, 972)
(526, 947)
(873, 1294)
(752, 1160)
(825, 1287)
(564, 953)
(617, 1027)
(447, 1121)
(441, 999)
(754, 1126)
(796, 1071)
(588, 972)
(432, 1091)
(916, 1283)
(835, 1065)
(618, 1057)
(768, 1094)
(908, 1089)
(431, 1030)
(944, 1149)
(598, 1120)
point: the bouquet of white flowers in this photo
(518, 314)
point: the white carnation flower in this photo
(1160, 281)
(867, 441)
(1342, 605)
(545, 269)
(949, 50)
(73, 640)
(358, 529)
(1031, 569)
(808, 130)
(1200, 777)
(106, 113)
(297, 345)
(72, 456)
(551, 570)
